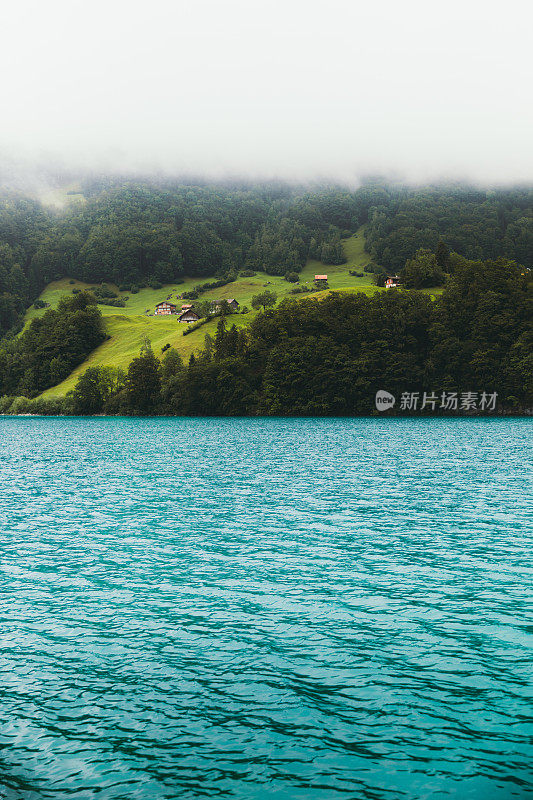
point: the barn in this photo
(188, 316)
(233, 304)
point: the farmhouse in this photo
(165, 308)
(232, 303)
(392, 282)
(188, 316)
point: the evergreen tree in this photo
(143, 382)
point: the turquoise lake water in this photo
(303, 609)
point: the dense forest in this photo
(303, 357)
(476, 223)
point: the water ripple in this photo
(296, 609)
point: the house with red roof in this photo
(392, 282)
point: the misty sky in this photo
(310, 89)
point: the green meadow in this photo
(127, 328)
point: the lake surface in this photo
(303, 609)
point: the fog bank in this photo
(299, 90)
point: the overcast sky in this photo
(296, 88)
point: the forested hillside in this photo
(23, 227)
(136, 235)
(130, 233)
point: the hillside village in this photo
(187, 313)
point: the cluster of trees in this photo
(22, 225)
(331, 357)
(51, 346)
(476, 223)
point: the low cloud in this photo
(301, 90)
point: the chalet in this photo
(232, 303)
(321, 278)
(392, 282)
(188, 316)
(165, 308)
(186, 307)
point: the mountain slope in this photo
(128, 327)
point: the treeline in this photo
(476, 223)
(330, 357)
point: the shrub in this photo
(156, 285)
(76, 291)
(245, 310)
(40, 304)
(292, 277)
(134, 289)
(103, 291)
(72, 280)
(20, 405)
(300, 289)
(52, 407)
(5, 403)
(194, 326)
(116, 302)
(125, 287)
(248, 273)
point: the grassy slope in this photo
(129, 326)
